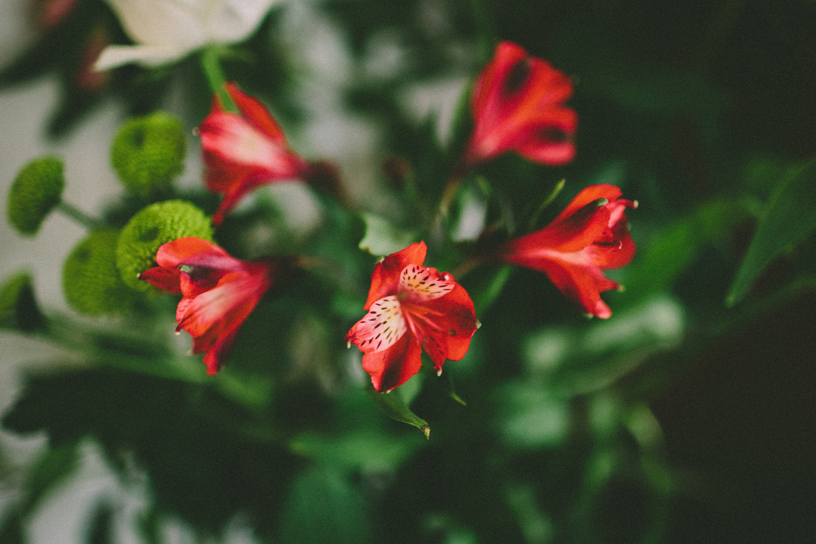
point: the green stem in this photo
(449, 194)
(211, 64)
(547, 201)
(124, 352)
(79, 216)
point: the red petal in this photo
(196, 252)
(386, 276)
(489, 82)
(587, 195)
(217, 355)
(569, 235)
(166, 279)
(444, 326)
(582, 285)
(549, 140)
(393, 367)
(254, 111)
(223, 306)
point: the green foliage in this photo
(242, 471)
(628, 430)
(789, 217)
(676, 245)
(395, 407)
(148, 153)
(36, 190)
(149, 229)
(18, 307)
(323, 506)
(90, 279)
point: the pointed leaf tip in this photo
(789, 218)
(393, 405)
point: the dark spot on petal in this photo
(517, 76)
(553, 134)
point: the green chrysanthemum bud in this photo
(148, 152)
(153, 226)
(34, 193)
(90, 279)
(18, 307)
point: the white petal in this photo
(382, 326)
(170, 23)
(146, 55)
(235, 20)
(188, 25)
(421, 283)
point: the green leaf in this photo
(487, 288)
(530, 416)
(323, 506)
(11, 528)
(383, 237)
(185, 436)
(556, 190)
(583, 360)
(676, 247)
(53, 467)
(789, 218)
(394, 406)
(359, 449)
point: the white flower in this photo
(167, 30)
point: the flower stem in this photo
(547, 201)
(449, 193)
(116, 350)
(211, 64)
(79, 216)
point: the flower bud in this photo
(18, 307)
(34, 193)
(90, 279)
(151, 227)
(148, 152)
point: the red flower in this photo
(219, 292)
(590, 235)
(517, 105)
(411, 308)
(245, 150)
(50, 13)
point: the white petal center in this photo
(382, 326)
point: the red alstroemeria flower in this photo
(517, 105)
(218, 292)
(589, 236)
(245, 150)
(411, 308)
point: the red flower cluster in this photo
(411, 308)
(218, 292)
(517, 105)
(589, 236)
(243, 151)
